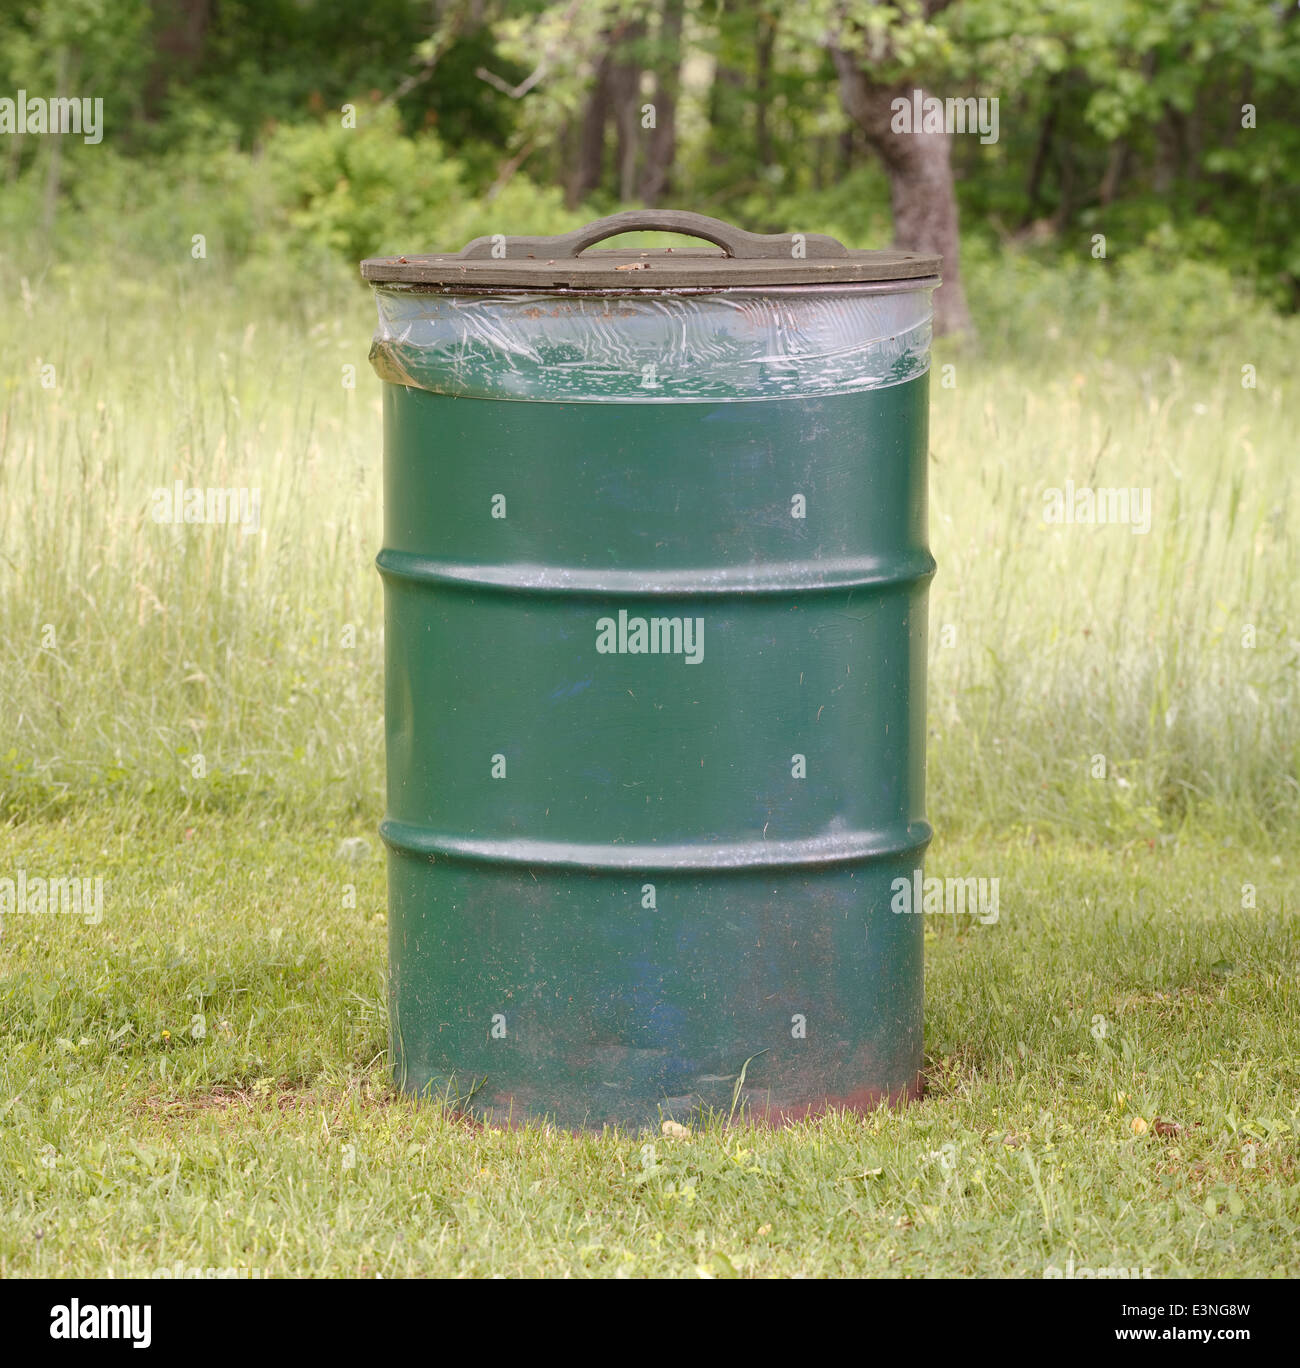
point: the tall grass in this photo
(128, 648)
(170, 642)
(1164, 660)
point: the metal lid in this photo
(747, 259)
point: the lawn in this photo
(198, 1081)
(197, 1078)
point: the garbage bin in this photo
(655, 571)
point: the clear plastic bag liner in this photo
(653, 347)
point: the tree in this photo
(661, 149)
(923, 197)
(179, 30)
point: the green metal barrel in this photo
(655, 572)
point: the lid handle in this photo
(735, 242)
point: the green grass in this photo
(1117, 984)
(1125, 981)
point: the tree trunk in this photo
(15, 157)
(625, 96)
(729, 86)
(846, 149)
(921, 188)
(1116, 163)
(54, 166)
(589, 152)
(180, 28)
(1168, 153)
(662, 148)
(766, 41)
(1042, 154)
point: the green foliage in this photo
(855, 209)
(359, 192)
(267, 62)
(352, 191)
(1169, 127)
(150, 209)
(95, 47)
